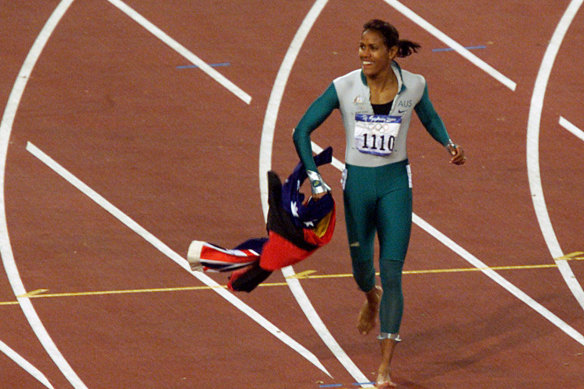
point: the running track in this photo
(131, 128)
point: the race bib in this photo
(376, 134)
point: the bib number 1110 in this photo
(376, 142)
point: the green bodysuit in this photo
(377, 187)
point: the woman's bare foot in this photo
(368, 313)
(383, 373)
(384, 381)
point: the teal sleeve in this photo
(430, 119)
(316, 114)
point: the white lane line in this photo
(452, 43)
(26, 365)
(571, 128)
(484, 268)
(179, 260)
(533, 168)
(157, 32)
(265, 163)
(500, 280)
(5, 246)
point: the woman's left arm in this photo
(435, 126)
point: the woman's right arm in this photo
(316, 114)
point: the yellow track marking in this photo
(575, 256)
(307, 274)
(33, 293)
(302, 275)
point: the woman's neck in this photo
(382, 87)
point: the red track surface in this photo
(178, 153)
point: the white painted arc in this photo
(265, 163)
(5, 246)
(532, 152)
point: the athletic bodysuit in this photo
(377, 186)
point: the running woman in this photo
(376, 103)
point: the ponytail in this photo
(406, 47)
(391, 37)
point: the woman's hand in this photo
(317, 185)
(457, 153)
(317, 197)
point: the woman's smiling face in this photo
(374, 55)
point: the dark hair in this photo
(391, 37)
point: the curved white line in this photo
(5, 247)
(26, 365)
(533, 169)
(265, 162)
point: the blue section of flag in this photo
(306, 214)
